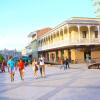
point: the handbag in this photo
(36, 67)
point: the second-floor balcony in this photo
(66, 43)
(74, 35)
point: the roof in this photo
(83, 20)
(43, 31)
(76, 20)
(31, 34)
(39, 32)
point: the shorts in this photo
(11, 71)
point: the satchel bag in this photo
(36, 67)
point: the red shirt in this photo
(21, 65)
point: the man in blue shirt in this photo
(11, 66)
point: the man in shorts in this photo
(11, 66)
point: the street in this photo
(72, 84)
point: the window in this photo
(96, 34)
(84, 34)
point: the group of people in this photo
(12, 67)
(36, 65)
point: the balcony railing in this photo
(64, 43)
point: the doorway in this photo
(87, 55)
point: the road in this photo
(72, 84)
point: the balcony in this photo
(64, 43)
(96, 41)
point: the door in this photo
(87, 55)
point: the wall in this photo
(95, 55)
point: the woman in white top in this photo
(42, 66)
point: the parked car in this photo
(26, 59)
(94, 66)
(15, 59)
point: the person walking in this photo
(66, 63)
(21, 68)
(35, 67)
(3, 65)
(11, 66)
(42, 66)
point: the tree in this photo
(1, 58)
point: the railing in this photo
(63, 43)
(95, 40)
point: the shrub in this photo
(1, 58)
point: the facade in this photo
(32, 48)
(24, 52)
(96, 4)
(76, 39)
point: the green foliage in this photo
(1, 58)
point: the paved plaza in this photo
(76, 83)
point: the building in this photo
(76, 38)
(6, 53)
(96, 4)
(32, 48)
(24, 52)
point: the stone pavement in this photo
(73, 84)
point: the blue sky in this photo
(20, 17)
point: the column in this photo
(79, 33)
(47, 56)
(59, 35)
(50, 39)
(68, 32)
(59, 56)
(47, 41)
(54, 38)
(56, 55)
(89, 33)
(98, 31)
(62, 54)
(63, 33)
(42, 43)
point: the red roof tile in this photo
(42, 31)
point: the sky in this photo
(20, 17)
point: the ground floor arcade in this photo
(75, 54)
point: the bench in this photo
(94, 66)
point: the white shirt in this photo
(41, 61)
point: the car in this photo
(94, 66)
(15, 59)
(26, 59)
